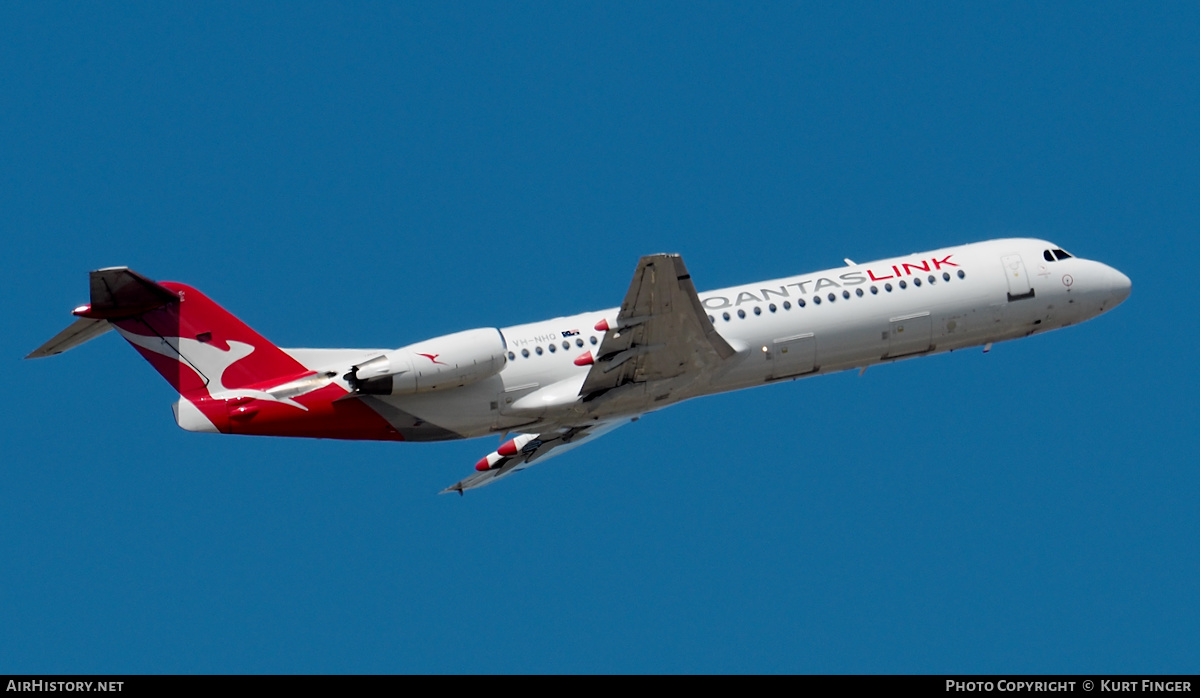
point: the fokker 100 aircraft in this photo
(556, 384)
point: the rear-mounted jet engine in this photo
(451, 361)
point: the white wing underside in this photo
(543, 446)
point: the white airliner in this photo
(555, 384)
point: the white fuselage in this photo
(848, 317)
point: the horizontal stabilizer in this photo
(116, 293)
(120, 292)
(77, 333)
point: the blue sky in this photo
(375, 174)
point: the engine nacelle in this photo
(451, 361)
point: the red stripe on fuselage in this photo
(326, 418)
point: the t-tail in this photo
(230, 378)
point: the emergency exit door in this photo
(792, 356)
(910, 334)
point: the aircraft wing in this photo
(524, 450)
(661, 331)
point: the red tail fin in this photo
(198, 346)
(224, 371)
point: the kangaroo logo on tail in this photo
(207, 361)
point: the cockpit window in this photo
(1048, 257)
(1061, 254)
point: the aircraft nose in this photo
(1119, 285)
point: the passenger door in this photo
(1018, 280)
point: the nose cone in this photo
(1119, 286)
